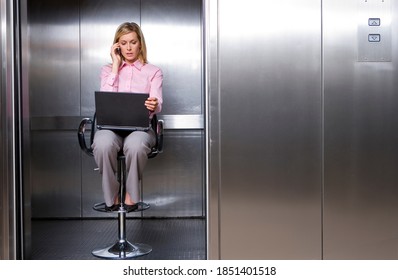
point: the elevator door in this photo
(269, 130)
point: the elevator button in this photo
(374, 21)
(374, 38)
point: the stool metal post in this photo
(122, 249)
(122, 212)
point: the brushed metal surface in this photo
(54, 67)
(270, 129)
(212, 125)
(9, 236)
(173, 32)
(54, 91)
(56, 167)
(174, 180)
(361, 152)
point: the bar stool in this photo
(122, 249)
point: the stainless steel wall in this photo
(7, 142)
(10, 217)
(69, 41)
(302, 138)
(361, 152)
(11, 170)
(54, 94)
(268, 136)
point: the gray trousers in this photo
(136, 147)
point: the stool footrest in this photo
(140, 206)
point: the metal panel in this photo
(361, 152)
(210, 11)
(25, 130)
(174, 181)
(8, 185)
(54, 72)
(270, 129)
(54, 92)
(172, 31)
(56, 167)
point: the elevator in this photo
(280, 121)
(80, 34)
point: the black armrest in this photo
(82, 140)
(157, 126)
(160, 127)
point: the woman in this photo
(128, 72)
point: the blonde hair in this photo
(128, 27)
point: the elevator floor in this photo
(170, 239)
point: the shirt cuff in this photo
(111, 79)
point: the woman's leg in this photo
(106, 145)
(136, 148)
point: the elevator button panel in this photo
(374, 30)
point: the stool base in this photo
(123, 250)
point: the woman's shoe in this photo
(114, 207)
(130, 208)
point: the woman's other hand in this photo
(151, 104)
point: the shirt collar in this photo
(137, 64)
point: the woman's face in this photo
(130, 47)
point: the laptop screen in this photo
(121, 110)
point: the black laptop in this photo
(121, 111)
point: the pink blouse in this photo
(138, 78)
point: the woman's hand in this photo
(116, 56)
(151, 104)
